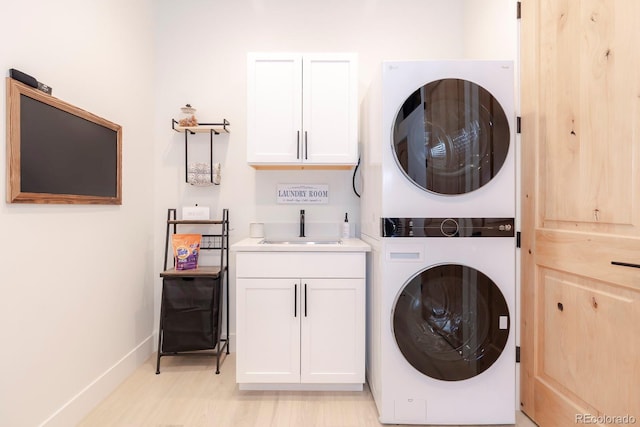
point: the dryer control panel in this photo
(447, 227)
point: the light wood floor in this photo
(188, 393)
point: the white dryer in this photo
(438, 141)
(441, 339)
(438, 208)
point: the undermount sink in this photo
(300, 242)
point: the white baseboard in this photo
(72, 412)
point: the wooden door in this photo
(580, 83)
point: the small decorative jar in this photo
(188, 116)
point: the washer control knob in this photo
(449, 227)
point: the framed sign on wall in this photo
(302, 194)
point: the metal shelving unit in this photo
(192, 300)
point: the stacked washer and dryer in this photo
(438, 208)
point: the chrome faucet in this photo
(301, 223)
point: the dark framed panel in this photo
(59, 153)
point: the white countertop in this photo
(345, 245)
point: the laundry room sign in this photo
(312, 194)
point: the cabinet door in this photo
(333, 331)
(268, 330)
(274, 103)
(330, 98)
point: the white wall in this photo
(201, 59)
(71, 334)
(77, 281)
(491, 29)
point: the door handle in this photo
(625, 264)
(295, 300)
(298, 145)
(306, 150)
(305, 300)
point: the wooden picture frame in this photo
(58, 153)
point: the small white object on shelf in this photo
(346, 229)
(216, 173)
(199, 174)
(192, 213)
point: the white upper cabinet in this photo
(302, 109)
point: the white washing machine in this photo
(438, 141)
(438, 207)
(441, 335)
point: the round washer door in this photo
(451, 322)
(451, 137)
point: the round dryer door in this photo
(451, 137)
(451, 322)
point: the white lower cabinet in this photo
(300, 330)
(268, 331)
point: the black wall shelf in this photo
(211, 129)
